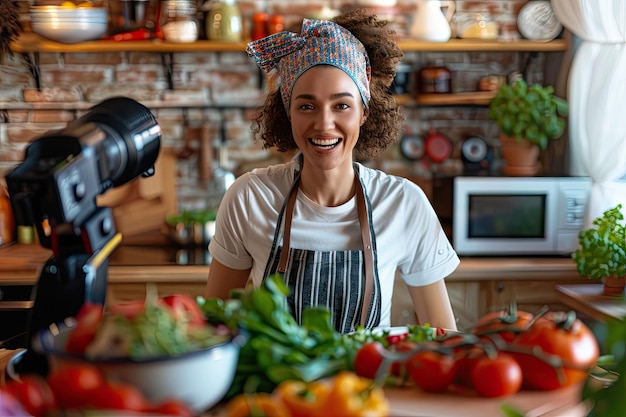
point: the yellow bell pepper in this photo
(355, 396)
(303, 399)
(256, 405)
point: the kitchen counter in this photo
(21, 264)
(411, 402)
(589, 300)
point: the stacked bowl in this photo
(69, 24)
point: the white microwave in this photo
(518, 215)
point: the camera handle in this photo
(69, 278)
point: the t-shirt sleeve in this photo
(429, 255)
(227, 245)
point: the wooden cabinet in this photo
(471, 300)
(480, 285)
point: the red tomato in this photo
(564, 336)
(33, 393)
(368, 359)
(496, 377)
(128, 309)
(186, 304)
(171, 408)
(397, 368)
(74, 383)
(393, 339)
(466, 358)
(87, 322)
(431, 371)
(118, 396)
(507, 323)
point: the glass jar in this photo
(223, 22)
(179, 21)
(435, 79)
(476, 26)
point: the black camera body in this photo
(55, 190)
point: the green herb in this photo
(277, 348)
(602, 247)
(189, 217)
(531, 113)
(609, 401)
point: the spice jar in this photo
(7, 223)
(224, 21)
(476, 26)
(180, 21)
(275, 24)
(259, 26)
(435, 79)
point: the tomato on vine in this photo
(368, 359)
(432, 371)
(496, 376)
(507, 323)
(563, 339)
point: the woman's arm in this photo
(222, 279)
(432, 305)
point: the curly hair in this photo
(383, 125)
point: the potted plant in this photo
(527, 118)
(602, 251)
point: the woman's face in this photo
(326, 114)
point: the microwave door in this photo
(505, 222)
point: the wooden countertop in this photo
(20, 264)
(589, 300)
(411, 402)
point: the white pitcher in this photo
(430, 23)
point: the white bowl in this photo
(70, 31)
(199, 379)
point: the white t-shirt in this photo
(408, 234)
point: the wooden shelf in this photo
(476, 98)
(30, 42)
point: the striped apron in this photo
(346, 282)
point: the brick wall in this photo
(217, 89)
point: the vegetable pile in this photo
(505, 351)
(278, 349)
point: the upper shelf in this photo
(30, 42)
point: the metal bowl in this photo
(200, 379)
(195, 234)
(69, 25)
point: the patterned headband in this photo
(320, 42)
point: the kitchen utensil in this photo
(429, 22)
(412, 147)
(435, 79)
(438, 147)
(536, 21)
(69, 25)
(133, 14)
(199, 378)
(224, 22)
(475, 154)
(476, 26)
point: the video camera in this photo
(55, 190)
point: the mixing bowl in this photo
(69, 25)
(199, 379)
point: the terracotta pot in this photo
(614, 286)
(520, 156)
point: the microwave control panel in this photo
(574, 195)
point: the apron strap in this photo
(291, 203)
(368, 250)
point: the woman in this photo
(336, 230)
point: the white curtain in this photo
(597, 98)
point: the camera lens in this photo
(133, 141)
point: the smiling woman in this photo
(334, 229)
